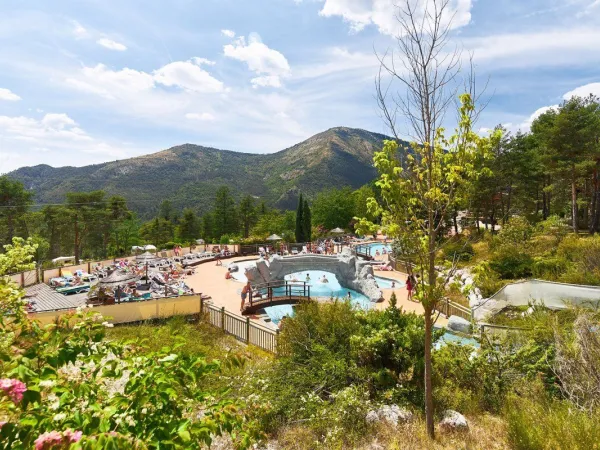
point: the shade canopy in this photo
(149, 247)
(274, 237)
(146, 257)
(118, 278)
(199, 241)
(337, 230)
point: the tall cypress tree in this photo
(299, 220)
(307, 221)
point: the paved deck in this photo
(43, 298)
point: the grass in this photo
(198, 338)
(485, 432)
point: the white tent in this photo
(149, 247)
(63, 259)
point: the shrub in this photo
(536, 421)
(459, 251)
(486, 279)
(549, 268)
(511, 265)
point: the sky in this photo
(88, 81)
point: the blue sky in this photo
(83, 82)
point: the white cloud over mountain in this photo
(270, 65)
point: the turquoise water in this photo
(455, 339)
(373, 248)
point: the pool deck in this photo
(209, 279)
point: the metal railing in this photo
(278, 290)
(449, 308)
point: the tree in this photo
(334, 208)
(165, 210)
(421, 189)
(360, 197)
(224, 212)
(87, 213)
(207, 228)
(14, 203)
(306, 221)
(189, 226)
(247, 214)
(300, 237)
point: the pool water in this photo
(374, 248)
(448, 337)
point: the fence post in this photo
(201, 304)
(89, 267)
(60, 271)
(276, 340)
(223, 318)
(247, 330)
(22, 279)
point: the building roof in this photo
(43, 298)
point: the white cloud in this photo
(109, 83)
(55, 139)
(8, 95)
(584, 91)
(201, 61)
(189, 76)
(553, 47)
(228, 33)
(200, 116)
(269, 64)
(111, 45)
(79, 31)
(383, 13)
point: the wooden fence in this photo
(449, 308)
(242, 328)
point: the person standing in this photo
(246, 290)
(409, 287)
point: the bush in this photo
(459, 251)
(486, 279)
(538, 422)
(549, 268)
(512, 265)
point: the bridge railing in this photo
(265, 293)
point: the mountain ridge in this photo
(190, 174)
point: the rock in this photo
(392, 414)
(459, 324)
(375, 446)
(372, 417)
(453, 421)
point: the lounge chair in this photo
(304, 249)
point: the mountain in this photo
(189, 175)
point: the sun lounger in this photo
(73, 289)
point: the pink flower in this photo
(48, 440)
(72, 436)
(55, 438)
(13, 388)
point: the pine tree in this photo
(306, 221)
(299, 220)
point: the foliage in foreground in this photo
(66, 384)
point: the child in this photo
(409, 287)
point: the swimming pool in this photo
(372, 249)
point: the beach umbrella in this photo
(117, 279)
(337, 230)
(145, 257)
(274, 237)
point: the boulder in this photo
(453, 421)
(459, 324)
(392, 414)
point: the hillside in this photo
(189, 175)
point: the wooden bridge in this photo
(276, 293)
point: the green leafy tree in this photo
(14, 203)
(335, 208)
(189, 227)
(300, 236)
(225, 213)
(87, 213)
(248, 214)
(166, 211)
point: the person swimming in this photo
(349, 296)
(324, 279)
(307, 277)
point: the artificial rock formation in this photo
(351, 272)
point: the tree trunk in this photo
(574, 200)
(428, 372)
(11, 231)
(454, 216)
(594, 207)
